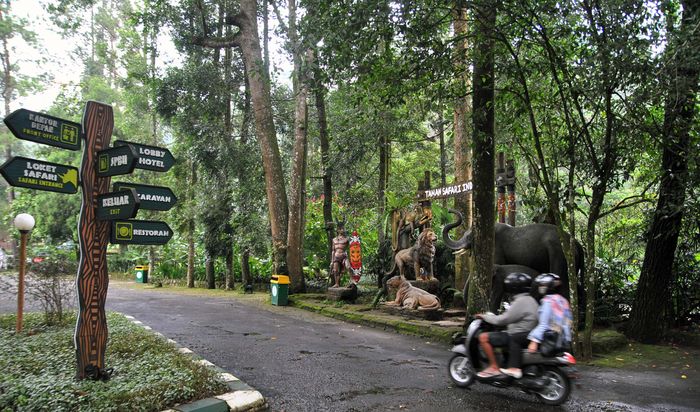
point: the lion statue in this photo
(420, 255)
(409, 296)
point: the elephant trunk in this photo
(464, 242)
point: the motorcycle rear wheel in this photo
(558, 387)
(461, 371)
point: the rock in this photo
(346, 294)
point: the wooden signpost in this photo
(103, 215)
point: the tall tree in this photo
(247, 39)
(484, 15)
(647, 320)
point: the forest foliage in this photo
(581, 100)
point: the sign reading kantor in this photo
(42, 128)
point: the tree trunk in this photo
(320, 94)
(245, 267)
(191, 226)
(297, 190)
(230, 281)
(648, 319)
(462, 143)
(259, 83)
(209, 267)
(484, 156)
(7, 92)
(384, 159)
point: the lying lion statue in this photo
(409, 296)
(420, 255)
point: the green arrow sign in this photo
(151, 197)
(42, 128)
(151, 157)
(122, 204)
(140, 232)
(119, 160)
(37, 174)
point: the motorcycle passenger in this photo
(554, 312)
(520, 317)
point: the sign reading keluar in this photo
(38, 174)
(122, 204)
(42, 128)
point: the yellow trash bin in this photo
(141, 274)
(279, 288)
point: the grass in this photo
(642, 356)
(37, 370)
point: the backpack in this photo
(558, 337)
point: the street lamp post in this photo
(24, 223)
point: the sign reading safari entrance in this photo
(38, 174)
(44, 129)
(140, 232)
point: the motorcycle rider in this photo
(521, 318)
(554, 312)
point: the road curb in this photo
(240, 397)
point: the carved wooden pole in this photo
(510, 182)
(501, 187)
(93, 235)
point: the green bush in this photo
(37, 370)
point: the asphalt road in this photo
(301, 361)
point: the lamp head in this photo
(24, 222)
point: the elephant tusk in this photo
(459, 252)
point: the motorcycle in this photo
(544, 377)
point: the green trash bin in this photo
(279, 289)
(141, 274)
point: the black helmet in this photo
(517, 283)
(547, 283)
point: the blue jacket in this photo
(554, 314)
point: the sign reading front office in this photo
(42, 128)
(140, 232)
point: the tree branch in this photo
(217, 42)
(622, 204)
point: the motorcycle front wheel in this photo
(461, 371)
(558, 387)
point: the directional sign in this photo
(119, 160)
(45, 129)
(151, 197)
(140, 232)
(151, 157)
(37, 174)
(122, 204)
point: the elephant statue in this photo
(535, 245)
